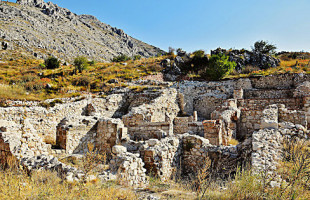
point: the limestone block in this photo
(118, 149)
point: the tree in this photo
(264, 47)
(218, 67)
(52, 63)
(80, 63)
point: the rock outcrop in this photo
(42, 29)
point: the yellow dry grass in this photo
(47, 185)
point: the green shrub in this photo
(136, 57)
(199, 53)
(218, 67)
(80, 63)
(92, 63)
(52, 63)
(122, 58)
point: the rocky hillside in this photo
(41, 29)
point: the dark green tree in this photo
(264, 47)
(52, 63)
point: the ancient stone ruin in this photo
(166, 132)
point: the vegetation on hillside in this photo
(31, 79)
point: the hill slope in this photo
(42, 29)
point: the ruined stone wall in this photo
(293, 116)
(261, 104)
(251, 113)
(128, 167)
(281, 81)
(213, 131)
(45, 120)
(73, 136)
(197, 151)
(162, 157)
(267, 143)
(141, 120)
(194, 92)
(110, 132)
(149, 130)
(162, 109)
(268, 93)
(183, 125)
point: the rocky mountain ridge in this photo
(42, 29)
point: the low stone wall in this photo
(281, 81)
(267, 143)
(205, 105)
(261, 104)
(5, 152)
(149, 130)
(268, 93)
(162, 109)
(251, 113)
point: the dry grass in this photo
(286, 66)
(32, 78)
(47, 185)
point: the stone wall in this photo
(293, 116)
(268, 93)
(183, 125)
(281, 81)
(251, 113)
(72, 135)
(193, 91)
(162, 157)
(261, 104)
(128, 167)
(110, 132)
(149, 130)
(213, 131)
(162, 109)
(197, 151)
(267, 143)
(45, 120)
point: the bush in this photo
(218, 67)
(80, 63)
(199, 53)
(122, 58)
(82, 81)
(52, 63)
(137, 57)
